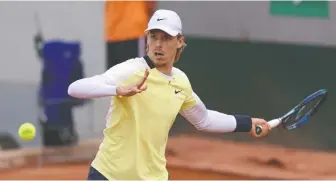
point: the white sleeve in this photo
(92, 87)
(105, 84)
(209, 120)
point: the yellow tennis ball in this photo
(27, 131)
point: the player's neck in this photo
(167, 69)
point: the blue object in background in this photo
(61, 66)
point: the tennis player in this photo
(147, 95)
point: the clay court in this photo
(79, 172)
(237, 161)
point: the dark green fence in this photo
(263, 80)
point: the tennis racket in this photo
(300, 114)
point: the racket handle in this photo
(273, 123)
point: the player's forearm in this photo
(214, 121)
(94, 87)
(217, 122)
(220, 122)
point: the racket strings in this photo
(302, 113)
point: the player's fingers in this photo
(253, 132)
(268, 127)
(143, 80)
(146, 72)
(258, 121)
(143, 87)
(137, 91)
(265, 129)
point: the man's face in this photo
(162, 47)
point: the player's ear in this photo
(180, 41)
(146, 42)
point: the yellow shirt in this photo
(137, 127)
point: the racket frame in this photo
(276, 122)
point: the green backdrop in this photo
(315, 9)
(262, 80)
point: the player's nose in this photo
(158, 43)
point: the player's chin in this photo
(159, 61)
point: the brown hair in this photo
(179, 50)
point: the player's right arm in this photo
(195, 111)
(107, 83)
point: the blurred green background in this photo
(263, 80)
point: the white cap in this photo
(167, 21)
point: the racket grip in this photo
(273, 123)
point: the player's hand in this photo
(266, 128)
(131, 90)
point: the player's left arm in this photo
(207, 120)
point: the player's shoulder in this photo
(180, 74)
(127, 68)
(137, 63)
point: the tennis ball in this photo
(27, 131)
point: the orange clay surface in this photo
(79, 171)
(194, 158)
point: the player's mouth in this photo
(158, 54)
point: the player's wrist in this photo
(117, 91)
(244, 123)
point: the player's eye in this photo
(152, 35)
(166, 37)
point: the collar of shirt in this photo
(151, 65)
